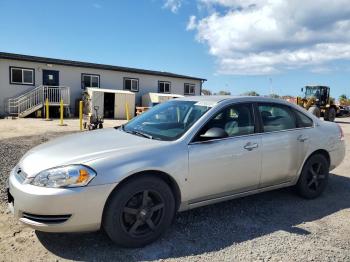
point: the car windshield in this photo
(312, 91)
(167, 121)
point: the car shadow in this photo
(213, 227)
(342, 122)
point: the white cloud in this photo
(191, 23)
(173, 5)
(233, 3)
(268, 36)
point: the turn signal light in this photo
(83, 176)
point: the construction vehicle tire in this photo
(330, 114)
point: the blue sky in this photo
(238, 45)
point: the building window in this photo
(189, 89)
(131, 84)
(21, 76)
(164, 87)
(89, 80)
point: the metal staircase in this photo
(34, 100)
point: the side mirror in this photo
(302, 90)
(214, 133)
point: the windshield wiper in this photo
(142, 134)
(138, 133)
(134, 132)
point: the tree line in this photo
(343, 99)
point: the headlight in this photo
(65, 176)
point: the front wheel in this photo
(330, 114)
(139, 211)
(314, 177)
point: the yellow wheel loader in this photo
(318, 102)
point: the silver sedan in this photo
(179, 155)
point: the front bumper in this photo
(58, 209)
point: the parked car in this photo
(344, 111)
(179, 155)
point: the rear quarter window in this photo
(302, 119)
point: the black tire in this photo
(314, 177)
(100, 125)
(315, 111)
(139, 212)
(330, 114)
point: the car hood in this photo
(80, 148)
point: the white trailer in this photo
(152, 99)
(111, 103)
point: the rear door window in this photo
(276, 117)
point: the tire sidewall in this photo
(302, 188)
(114, 208)
(332, 114)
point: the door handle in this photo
(302, 138)
(250, 146)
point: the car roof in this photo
(219, 99)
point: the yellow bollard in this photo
(61, 113)
(47, 109)
(81, 115)
(127, 112)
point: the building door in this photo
(51, 78)
(109, 102)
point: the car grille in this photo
(20, 174)
(47, 219)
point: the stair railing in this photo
(37, 97)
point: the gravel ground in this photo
(272, 226)
(37, 126)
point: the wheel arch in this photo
(168, 179)
(323, 152)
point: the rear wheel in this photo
(330, 114)
(315, 111)
(139, 212)
(314, 177)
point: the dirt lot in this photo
(273, 226)
(30, 127)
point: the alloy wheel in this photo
(142, 213)
(316, 176)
